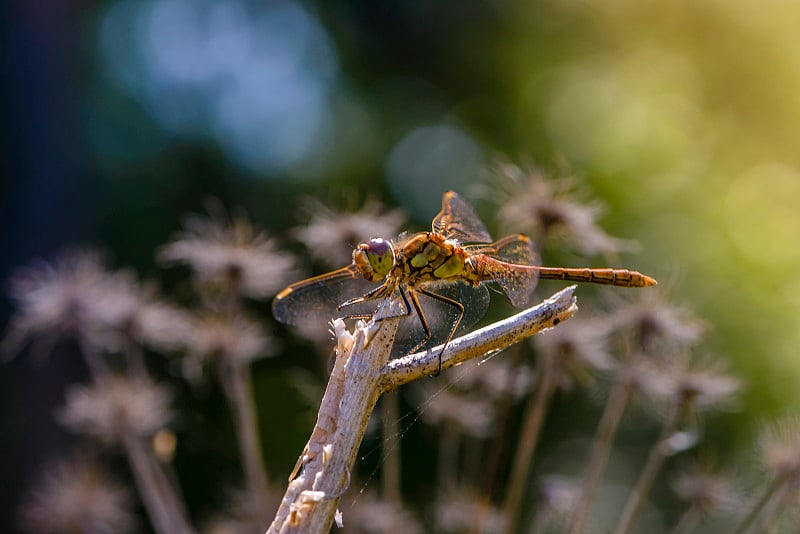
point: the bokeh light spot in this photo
(761, 213)
(256, 78)
(429, 161)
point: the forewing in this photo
(458, 220)
(314, 301)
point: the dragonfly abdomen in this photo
(613, 277)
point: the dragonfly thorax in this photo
(374, 259)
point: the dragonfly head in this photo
(374, 259)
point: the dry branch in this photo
(361, 374)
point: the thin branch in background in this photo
(534, 417)
(654, 324)
(655, 459)
(463, 417)
(687, 388)
(566, 354)
(390, 473)
(618, 399)
(238, 384)
(758, 505)
(771, 516)
(231, 343)
(447, 458)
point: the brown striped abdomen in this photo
(612, 277)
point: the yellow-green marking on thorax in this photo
(430, 252)
(454, 266)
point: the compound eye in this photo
(380, 255)
(378, 246)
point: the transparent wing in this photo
(458, 220)
(314, 301)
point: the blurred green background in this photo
(683, 117)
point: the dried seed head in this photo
(246, 512)
(550, 209)
(460, 511)
(128, 312)
(222, 337)
(77, 496)
(780, 449)
(231, 255)
(78, 296)
(559, 498)
(654, 322)
(57, 300)
(681, 382)
(707, 492)
(331, 235)
(372, 515)
(703, 383)
(107, 411)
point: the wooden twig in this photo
(360, 375)
(495, 337)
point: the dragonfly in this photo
(449, 266)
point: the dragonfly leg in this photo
(451, 302)
(425, 327)
(373, 295)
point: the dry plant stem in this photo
(162, 508)
(360, 375)
(601, 446)
(688, 521)
(772, 511)
(500, 438)
(534, 417)
(759, 505)
(447, 461)
(496, 449)
(137, 367)
(655, 459)
(98, 368)
(238, 386)
(391, 449)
